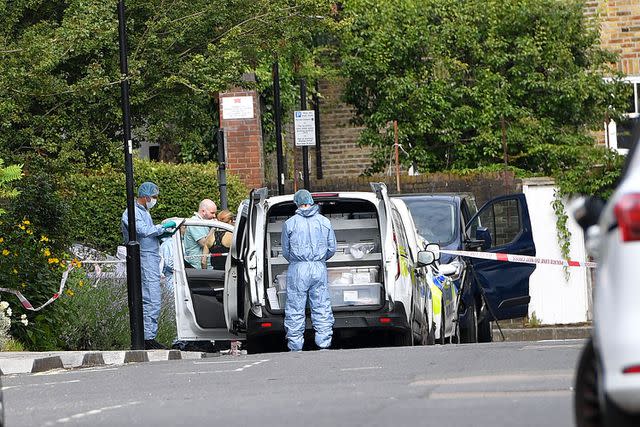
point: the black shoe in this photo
(153, 345)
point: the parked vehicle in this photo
(607, 389)
(377, 280)
(501, 225)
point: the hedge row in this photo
(97, 199)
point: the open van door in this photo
(388, 240)
(254, 269)
(234, 284)
(199, 293)
(506, 284)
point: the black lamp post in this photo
(134, 284)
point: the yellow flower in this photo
(22, 227)
(69, 292)
(5, 252)
(81, 284)
(29, 231)
(76, 263)
(24, 285)
(53, 260)
(1, 239)
(44, 238)
(26, 222)
(47, 252)
(15, 271)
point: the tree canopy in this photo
(60, 76)
(456, 74)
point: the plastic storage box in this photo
(353, 295)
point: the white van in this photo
(379, 282)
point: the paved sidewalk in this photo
(542, 333)
(34, 362)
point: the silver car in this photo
(607, 388)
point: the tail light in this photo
(627, 212)
(635, 369)
(385, 320)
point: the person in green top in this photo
(195, 236)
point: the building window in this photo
(621, 136)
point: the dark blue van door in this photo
(506, 284)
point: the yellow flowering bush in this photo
(29, 263)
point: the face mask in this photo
(151, 203)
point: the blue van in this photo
(502, 225)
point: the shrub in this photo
(98, 197)
(30, 264)
(98, 315)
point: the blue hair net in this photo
(302, 197)
(148, 189)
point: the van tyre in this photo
(469, 329)
(485, 331)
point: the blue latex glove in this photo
(169, 224)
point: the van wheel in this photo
(402, 339)
(469, 330)
(485, 331)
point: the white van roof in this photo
(369, 196)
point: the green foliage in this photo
(12, 345)
(98, 315)
(97, 199)
(8, 175)
(456, 74)
(60, 76)
(30, 264)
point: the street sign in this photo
(237, 107)
(305, 128)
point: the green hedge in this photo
(97, 199)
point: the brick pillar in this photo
(240, 119)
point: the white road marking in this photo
(483, 379)
(88, 413)
(9, 387)
(361, 368)
(226, 361)
(544, 347)
(240, 369)
(500, 394)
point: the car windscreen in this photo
(434, 219)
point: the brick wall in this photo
(243, 140)
(620, 30)
(341, 156)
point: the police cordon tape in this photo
(526, 259)
(28, 306)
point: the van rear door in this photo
(234, 284)
(506, 284)
(256, 230)
(388, 240)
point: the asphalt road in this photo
(498, 384)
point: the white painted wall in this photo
(554, 299)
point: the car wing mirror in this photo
(435, 248)
(425, 258)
